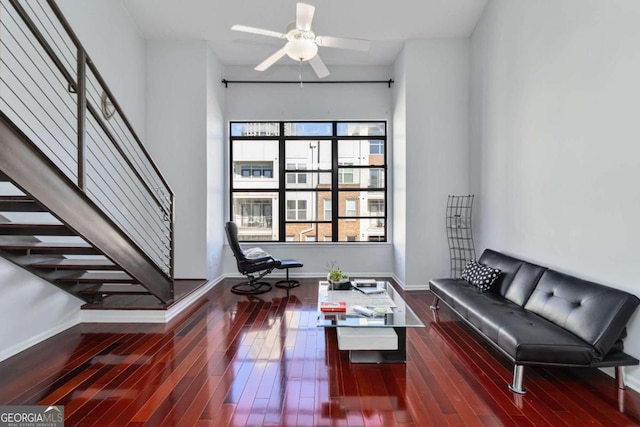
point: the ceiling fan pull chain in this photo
(300, 75)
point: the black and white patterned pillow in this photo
(481, 276)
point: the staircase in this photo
(82, 204)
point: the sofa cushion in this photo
(457, 293)
(528, 338)
(524, 336)
(595, 313)
(518, 278)
(507, 265)
(481, 276)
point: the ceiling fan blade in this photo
(342, 43)
(270, 60)
(318, 66)
(304, 16)
(259, 31)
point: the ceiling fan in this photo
(302, 43)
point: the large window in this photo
(309, 181)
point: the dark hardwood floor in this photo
(233, 360)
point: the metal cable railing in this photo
(53, 92)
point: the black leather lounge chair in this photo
(253, 263)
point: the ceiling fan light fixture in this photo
(301, 49)
(302, 43)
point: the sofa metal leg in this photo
(518, 377)
(434, 304)
(620, 377)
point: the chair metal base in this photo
(251, 288)
(287, 283)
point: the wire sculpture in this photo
(459, 233)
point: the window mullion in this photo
(282, 202)
(335, 203)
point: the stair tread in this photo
(183, 288)
(20, 203)
(17, 228)
(20, 245)
(55, 276)
(100, 277)
(56, 247)
(77, 264)
(16, 198)
(116, 290)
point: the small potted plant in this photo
(336, 277)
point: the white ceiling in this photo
(386, 23)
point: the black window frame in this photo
(281, 172)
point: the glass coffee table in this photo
(373, 327)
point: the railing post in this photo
(172, 253)
(82, 115)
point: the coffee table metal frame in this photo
(400, 318)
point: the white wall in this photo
(399, 207)
(433, 130)
(177, 139)
(311, 102)
(114, 44)
(32, 309)
(314, 102)
(555, 90)
(216, 163)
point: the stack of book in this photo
(333, 307)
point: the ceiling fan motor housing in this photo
(301, 45)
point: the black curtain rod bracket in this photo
(226, 82)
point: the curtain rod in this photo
(226, 82)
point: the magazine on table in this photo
(365, 283)
(370, 291)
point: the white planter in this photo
(335, 284)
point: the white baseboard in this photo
(147, 316)
(632, 381)
(191, 298)
(21, 346)
(414, 287)
(307, 275)
(398, 281)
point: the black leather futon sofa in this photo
(538, 316)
